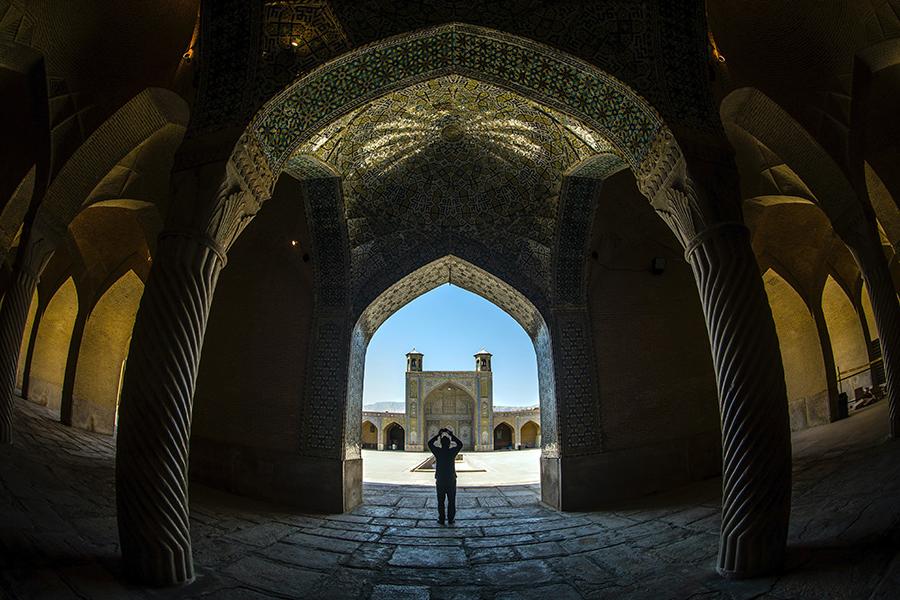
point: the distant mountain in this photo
(398, 407)
(512, 408)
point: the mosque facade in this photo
(462, 401)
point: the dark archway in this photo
(505, 296)
(503, 436)
(394, 437)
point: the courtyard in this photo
(501, 467)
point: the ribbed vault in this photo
(456, 158)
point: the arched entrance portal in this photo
(394, 210)
(523, 251)
(394, 437)
(452, 407)
(448, 404)
(503, 437)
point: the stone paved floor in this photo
(58, 534)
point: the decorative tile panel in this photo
(323, 206)
(538, 72)
(326, 395)
(576, 393)
(576, 217)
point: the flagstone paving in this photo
(58, 533)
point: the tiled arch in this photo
(539, 72)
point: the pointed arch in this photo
(369, 435)
(801, 354)
(102, 354)
(482, 283)
(749, 116)
(635, 130)
(530, 434)
(851, 355)
(51, 347)
(504, 436)
(394, 436)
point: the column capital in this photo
(231, 210)
(689, 215)
(213, 200)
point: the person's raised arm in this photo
(431, 443)
(456, 441)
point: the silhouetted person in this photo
(445, 471)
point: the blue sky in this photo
(448, 325)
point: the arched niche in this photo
(848, 344)
(530, 435)
(504, 436)
(394, 437)
(26, 340)
(369, 435)
(449, 405)
(51, 347)
(801, 354)
(102, 354)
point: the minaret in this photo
(414, 417)
(483, 360)
(413, 360)
(484, 418)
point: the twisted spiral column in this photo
(13, 316)
(756, 446)
(753, 411)
(866, 248)
(155, 410)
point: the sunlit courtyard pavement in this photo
(58, 533)
(503, 467)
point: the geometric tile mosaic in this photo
(452, 154)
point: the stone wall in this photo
(246, 427)
(657, 389)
